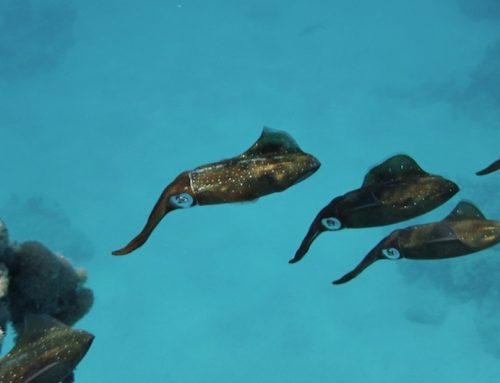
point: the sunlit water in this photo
(103, 103)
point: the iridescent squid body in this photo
(464, 231)
(272, 164)
(394, 191)
(47, 352)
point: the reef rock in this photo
(42, 282)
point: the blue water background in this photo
(103, 103)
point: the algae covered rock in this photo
(44, 282)
(35, 280)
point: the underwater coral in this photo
(34, 280)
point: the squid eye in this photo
(391, 253)
(331, 223)
(181, 201)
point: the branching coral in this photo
(34, 280)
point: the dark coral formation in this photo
(4, 279)
(34, 280)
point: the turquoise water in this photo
(103, 103)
